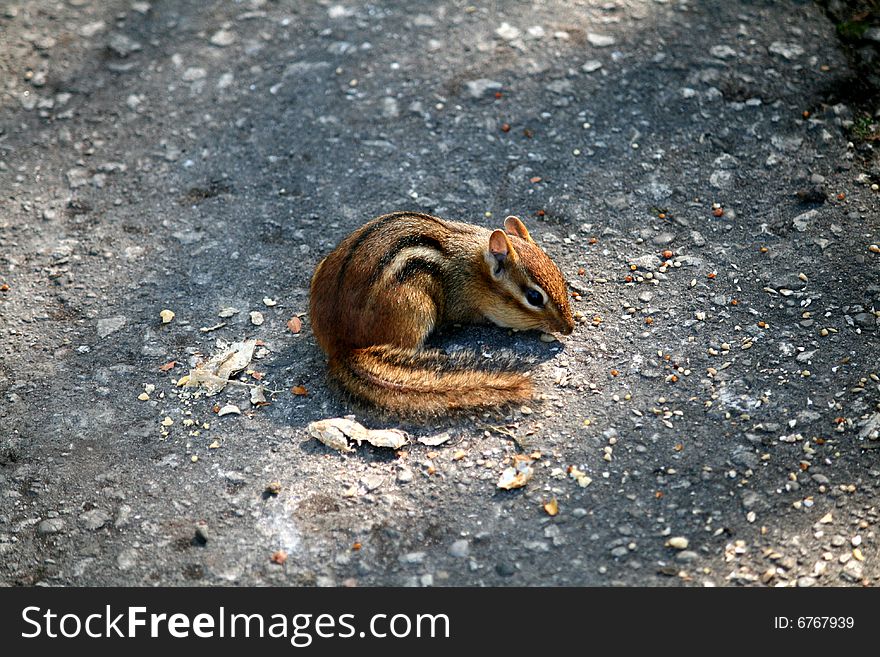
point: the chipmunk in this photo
(385, 288)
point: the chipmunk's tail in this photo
(428, 381)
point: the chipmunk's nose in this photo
(566, 325)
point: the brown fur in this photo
(422, 382)
(382, 291)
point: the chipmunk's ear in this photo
(514, 226)
(500, 250)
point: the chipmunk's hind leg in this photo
(403, 315)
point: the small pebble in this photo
(505, 569)
(678, 542)
(202, 534)
(193, 73)
(94, 519)
(50, 526)
(222, 38)
(600, 40)
(127, 559)
(411, 558)
(459, 549)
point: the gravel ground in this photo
(701, 171)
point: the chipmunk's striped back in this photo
(387, 286)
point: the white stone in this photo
(459, 549)
(223, 38)
(600, 40)
(535, 32)
(722, 52)
(478, 88)
(110, 325)
(91, 29)
(508, 32)
(193, 73)
(721, 179)
(787, 50)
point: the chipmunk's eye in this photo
(534, 297)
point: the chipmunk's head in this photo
(529, 291)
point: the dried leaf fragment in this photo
(518, 474)
(393, 438)
(166, 315)
(552, 507)
(213, 374)
(330, 435)
(336, 433)
(208, 329)
(294, 324)
(258, 396)
(229, 409)
(579, 476)
(437, 439)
